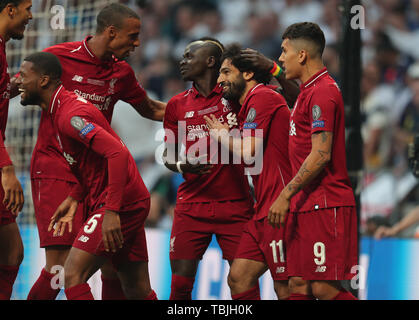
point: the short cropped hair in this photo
(233, 52)
(308, 31)
(114, 15)
(4, 3)
(45, 63)
(216, 49)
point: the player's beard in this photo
(236, 89)
(30, 99)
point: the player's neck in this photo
(310, 69)
(98, 46)
(48, 95)
(205, 85)
(3, 30)
(249, 86)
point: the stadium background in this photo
(379, 81)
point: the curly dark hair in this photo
(233, 52)
(3, 3)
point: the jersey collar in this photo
(94, 58)
(55, 101)
(313, 79)
(217, 90)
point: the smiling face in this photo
(20, 18)
(232, 81)
(125, 40)
(28, 84)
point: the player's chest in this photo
(300, 124)
(192, 121)
(100, 89)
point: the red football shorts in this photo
(323, 244)
(261, 242)
(195, 223)
(89, 238)
(47, 195)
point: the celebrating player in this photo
(264, 122)
(214, 198)
(108, 178)
(94, 70)
(14, 16)
(323, 241)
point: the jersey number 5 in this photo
(91, 224)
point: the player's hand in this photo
(258, 60)
(197, 164)
(384, 232)
(216, 128)
(111, 231)
(13, 193)
(278, 211)
(63, 217)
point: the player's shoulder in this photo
(267, 97)
(181, 97)
(65, 48)
(327, 86)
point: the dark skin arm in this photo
(170, 158)
(290, 89)
(312, 166)
(151, 109)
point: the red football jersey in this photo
(266, 110)
(96, 155)
(319, 107)
(4, 103)
(184, 123)
(102, 83)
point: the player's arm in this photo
(312, 166)
(14, 89)
(172, 162)
(247, 148)
(151, 109)
(290, 89)
(117, 156)
(13, 193)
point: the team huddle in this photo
(243, 115)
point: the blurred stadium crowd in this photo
(389, 85)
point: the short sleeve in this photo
(79, 127)
(170, 123)
(322, 110)
(133, 93)
(260, 112)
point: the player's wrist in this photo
(276, 70)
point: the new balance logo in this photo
(293, 132)
(83, 239)
(78, 78)
(189, 114)
(280, 270)
(320, 269)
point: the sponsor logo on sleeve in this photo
(317, 124)
(80, 125)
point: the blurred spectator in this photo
(376, 101)
(408, 125)
(374, 223)
(409, 220)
